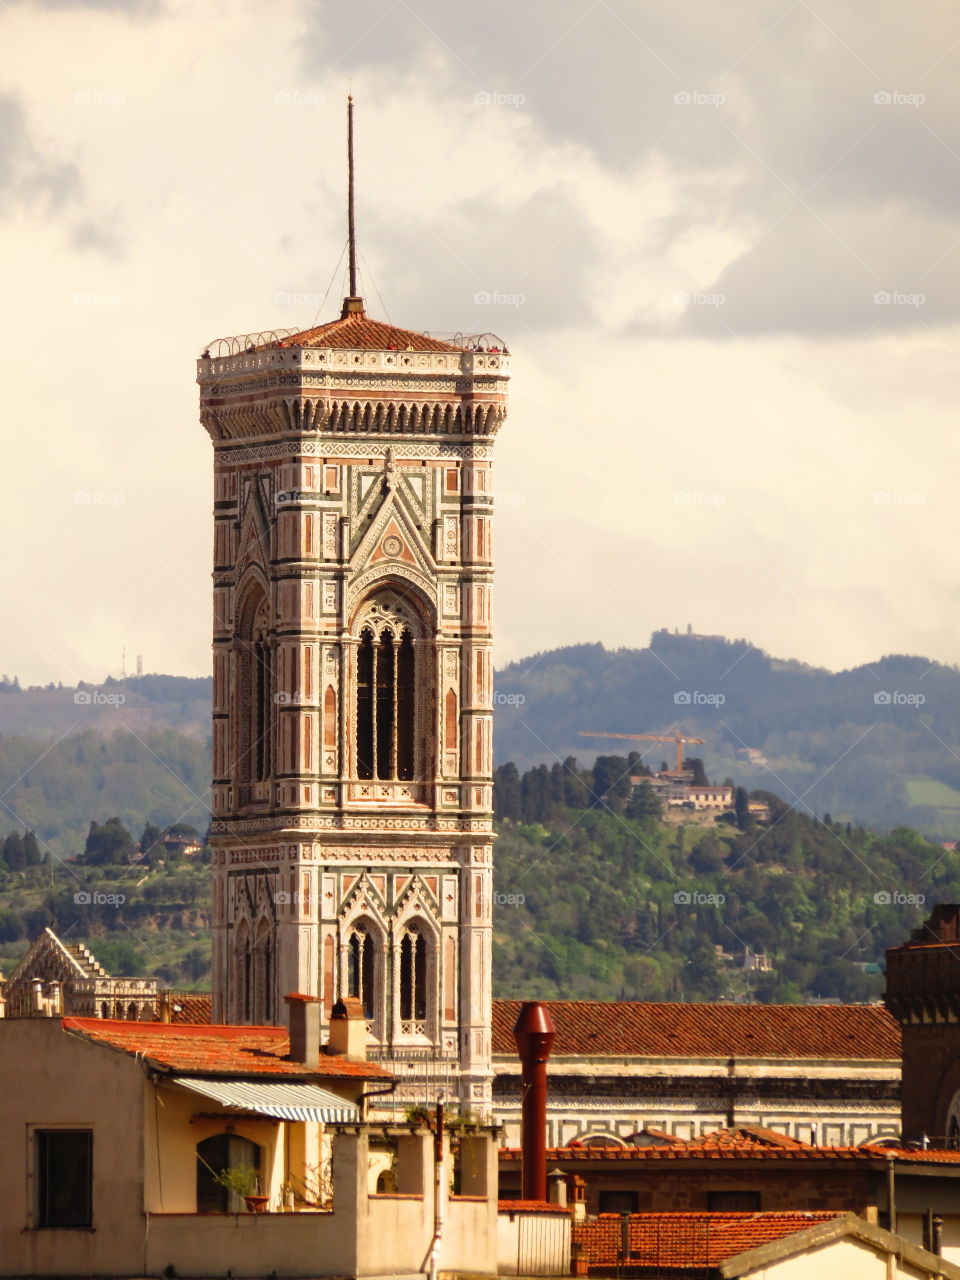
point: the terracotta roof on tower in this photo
(358, 332)
(214, 1050)
(594, 1028)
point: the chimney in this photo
(37, 1009)
(534, 1034)
(164, 1007)
(56, 1000)
(348, 1029)
(558, 1187)
(304, 1017)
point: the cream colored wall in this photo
(847, 1258)
(250, 1244)
(144, 1149)
(50, 1078)
(170, 1147)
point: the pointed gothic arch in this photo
(243, 956)
(253, 709)
(393, 678)
(264, 967)
(362, 968)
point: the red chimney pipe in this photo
(534, 1034)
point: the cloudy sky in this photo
(723, 244)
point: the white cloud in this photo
(193, 160)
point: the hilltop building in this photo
(353, 682)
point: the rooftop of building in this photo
(596, 1029)
(682, 1240)
(354, 330)
(189, 1006)
(748, 1142)
(194, 1049)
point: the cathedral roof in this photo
(355, 330)
(641, 1029)
(214, 1050)
(739, 1144)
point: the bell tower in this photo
(352, 712)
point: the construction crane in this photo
(648, 737)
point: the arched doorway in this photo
(214, 1155)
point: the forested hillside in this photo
(878, 745)
(595, 896)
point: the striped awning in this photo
(276, 1098)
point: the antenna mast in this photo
(351, 225)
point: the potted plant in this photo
(243, 1180)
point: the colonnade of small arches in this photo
(412, 418)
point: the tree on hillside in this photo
(644, 803)
(108, 844)
(150, 837)
(32, 856)
(741, 807)
(611, 783)
(13, 852)
(695, 766)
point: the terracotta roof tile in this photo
(680, 1240)
(358, 332)
(530, 1206)
(748, 1143)
(191, 1006)
(214, 1050)
(593, 1028)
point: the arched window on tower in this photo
(386, 692)
(413, 979)
(264, 1007)
(361, 968)
(253, 708)
(244, 973)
